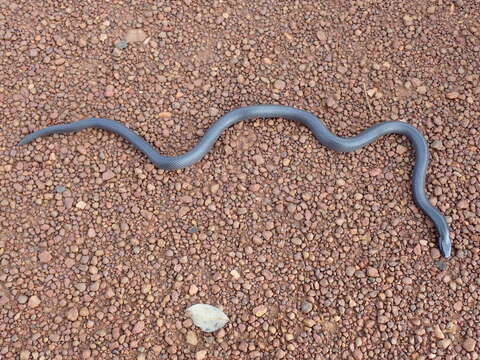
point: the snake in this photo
(266, 111)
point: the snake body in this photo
(319, 130)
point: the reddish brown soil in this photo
(328, 248)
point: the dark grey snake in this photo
(323, 135)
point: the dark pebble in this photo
(442, 266)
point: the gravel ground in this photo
(312, 254)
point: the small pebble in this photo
(438, 332)
(207, 317)
(81, 286)
(34, 301)
(235, 274)
(331, 102)
(435, 253)
(458, 306)
(441, 265)
(135, 35)
(452, 95)
(322, 36)
(306, 307)
(401, 149)
(121, 44)
(165, 115)
(408, 20)
(309, 322)
(201, 355)
(445, 343)
(469, 344)
(138, 327)
(60, 189)
(422, 90)
(260, 310)
(72, 314)
(116, 52)
(191, 338)
(214, 188)
(438, 145)
(372, 272)
(107, 175)
(81, 205)
(279, 84)
(59, 61)
(109, 91)
(193, 290)
(462, 204)
(44, 256)
(350, 271)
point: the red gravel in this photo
(312, 254)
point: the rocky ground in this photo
(312, 254)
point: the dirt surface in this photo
(312, 254)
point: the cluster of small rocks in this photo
(312, 254)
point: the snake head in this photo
(445, 245)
